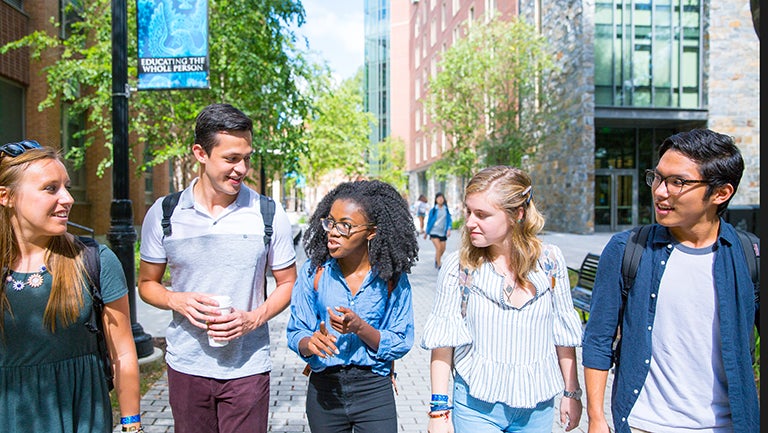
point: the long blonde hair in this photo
(63, 257)
(510, 189)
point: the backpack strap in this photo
(632, 254)
(169, 204)
(92, 263)
(268, 215)
(750, 243)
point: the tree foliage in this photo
(486, 96)
(337, 129)
(391, 153)
(255, 65)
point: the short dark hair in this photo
(393, 250)
(216, 118)
(719, 160)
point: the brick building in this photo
(633, 73)
(23, 86)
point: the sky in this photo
(335, 29)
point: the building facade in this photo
(632, 73)
(23, 86)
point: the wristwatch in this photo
(573, 394)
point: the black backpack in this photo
(95, 323)
(636, 243)
(267, 213)
(267, 207)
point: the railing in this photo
(88, 230)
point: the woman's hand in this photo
(347, 322)
(570, 413)
(321, 343)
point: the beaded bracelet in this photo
(446, 414)
(133, 429)
(130, 419)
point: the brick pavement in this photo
(288, 385)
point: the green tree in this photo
(391, 153)
(486, 96)
(255, 65)
(337, 129)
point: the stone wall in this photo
(562, 168)
(732, 73)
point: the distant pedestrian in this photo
(683, 362)
(421, 211)
(439, 227)
(351, 310)
(503, 324)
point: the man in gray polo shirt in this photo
(216, 247)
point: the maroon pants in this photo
(205, 405)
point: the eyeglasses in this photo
(15, 149)
(344, 228)
(674, 184)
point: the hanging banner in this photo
(173, 44)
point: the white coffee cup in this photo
(225, 306)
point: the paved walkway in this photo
(288, 385)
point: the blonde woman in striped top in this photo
(503, 325)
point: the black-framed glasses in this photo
(15, 149)
(344, 228)
(674, 184)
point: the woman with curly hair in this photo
(360, 243)
(503, 324)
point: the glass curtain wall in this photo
(648, 53)
(376, 79)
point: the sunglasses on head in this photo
(15, 149)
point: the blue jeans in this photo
(349, 398)
(478, 416)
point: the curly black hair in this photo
(393, 250)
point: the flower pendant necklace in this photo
(33, 280)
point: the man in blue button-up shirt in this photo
(684, 363)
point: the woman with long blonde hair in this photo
(503, 325)
(51, 374)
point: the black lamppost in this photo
(122, 235)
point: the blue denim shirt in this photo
(391, 314)
(737, 315)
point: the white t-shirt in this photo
(685, 390)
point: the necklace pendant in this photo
(35, 280)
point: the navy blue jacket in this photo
(738, 314)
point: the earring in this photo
(520, 220)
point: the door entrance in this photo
(615, 199)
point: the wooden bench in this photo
(582, 291)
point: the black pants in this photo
(350, 399)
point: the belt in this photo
(339, 368)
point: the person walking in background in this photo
(439, 227)
(351, 309)
(691, 311)
(51, 375)
(421, 211)
(503, 323)
(216, 246)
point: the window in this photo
(73, 147)
(71, 12)
(11, 112)
(648, 53)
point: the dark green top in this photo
(53, 382)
